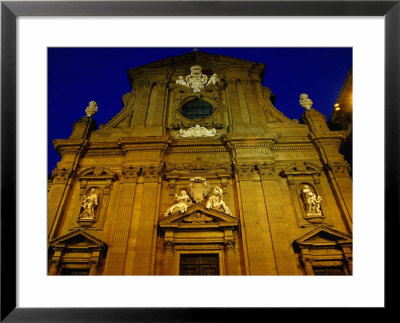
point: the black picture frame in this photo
(10, 10)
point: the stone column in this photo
(147, 228)
(120, 231)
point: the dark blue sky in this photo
(79, 75)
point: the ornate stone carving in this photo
(130, 173)
(312, 203)
(91, 109)
(183, 202)
(244, 171)
(196, 80)
(197, 132)
(181, 81)
(197, 218)
(151, 173)
(305, 102)
(61, 175)
(213, 80)
(266, 170)
(89, 206)
(339, 169)
(200, 165)
(198, 189)
(229, 245)
(216, 202)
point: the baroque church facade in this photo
(199, 174)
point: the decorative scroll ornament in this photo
(216, 202)
(305, 102)
(196, 80)
(197, 132)
(89, 205)
(183, 202)
(198, 189)
(91, 109)
(312, 203)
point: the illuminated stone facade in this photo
(255, 192)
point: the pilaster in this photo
(120, 231)
(259, 254)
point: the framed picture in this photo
(21, 205)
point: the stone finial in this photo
(91, 109)
(305, 102)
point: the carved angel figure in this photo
(91, 109)
(197, 132)
(181, 81)
(312, 202)
(89, 204)
(196, 80)
(216, 202)
(183, 202)
(213, 80)
(305, 102)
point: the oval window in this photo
(197, 109)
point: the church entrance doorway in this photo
(199, 265)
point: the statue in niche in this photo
(183, 202)
(311, 202)
(197, 132)
(305, 102)
(213, 80)
(181, 81)
(216, 202)
(91, 109)
(89, 205)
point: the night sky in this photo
(79, 75)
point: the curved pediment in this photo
(197, 215)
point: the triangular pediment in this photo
(322, 236)
(78, 239)
(198, 214)
(197, 57)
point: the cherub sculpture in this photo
(183, 202)
(305, 102)
(216, 202)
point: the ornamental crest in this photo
(196, 80)
(198, 189)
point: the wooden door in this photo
(199, 265)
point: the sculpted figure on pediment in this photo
(183, 202)
(216, 202)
